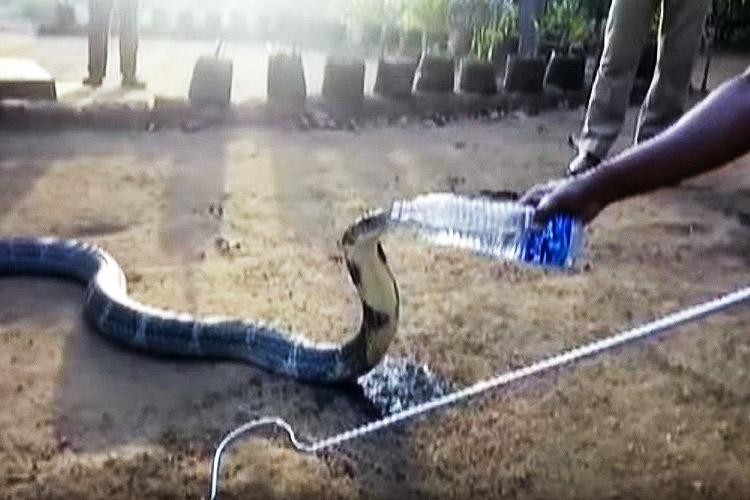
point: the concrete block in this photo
(22, 78)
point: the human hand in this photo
(571, 196)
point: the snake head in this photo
(370, 226)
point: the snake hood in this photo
(376, 286)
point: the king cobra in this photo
(455, 220)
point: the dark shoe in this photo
(132, 82)
(583, 162)
(92, 82)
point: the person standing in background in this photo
(100, 15)
(680, 29)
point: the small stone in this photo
(697, 486)
(459, 144)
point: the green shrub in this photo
(502, 27)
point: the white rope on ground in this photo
(670, 321)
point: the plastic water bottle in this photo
(497, 229)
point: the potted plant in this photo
(565, 30)
(344, 81)
(286, 86)
(562, 22)
(524, 74)
(435, 72)
(476, 74)
(395, 76)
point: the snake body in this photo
(125, 321)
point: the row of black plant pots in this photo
(396, 78)
(437, 74)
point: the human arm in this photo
(709, 136)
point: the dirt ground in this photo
(82, 418)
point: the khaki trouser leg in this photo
(100, 14)
(627, 29)
(128, 37)
(679, 42)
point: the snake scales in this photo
(451, 219)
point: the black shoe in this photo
(583, 162)
(92, 82)
(132, 82)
